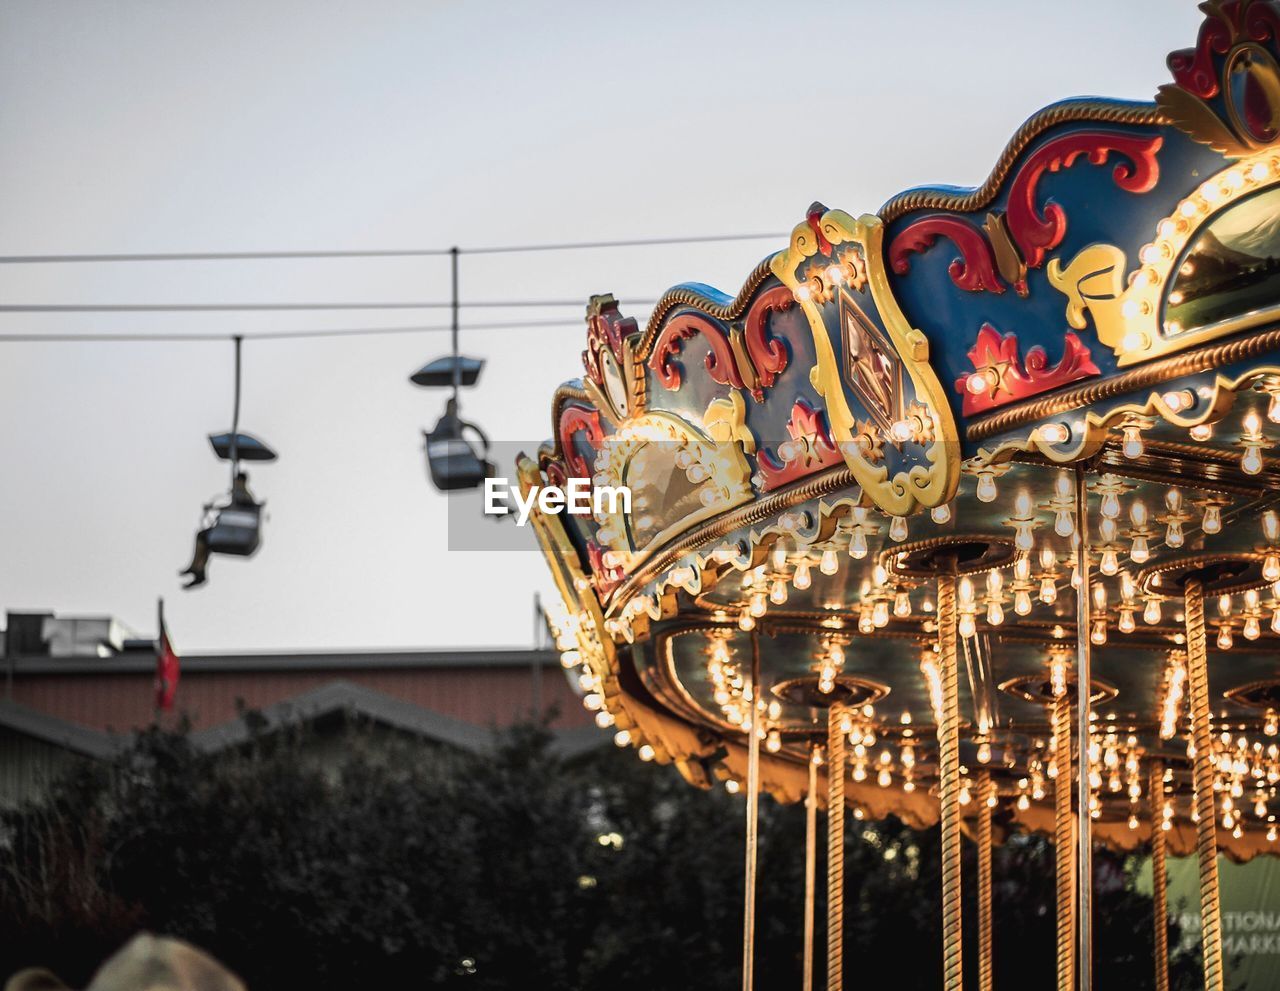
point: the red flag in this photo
(167, 668)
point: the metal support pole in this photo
(949, 788)
(1084, 681)
(1203, 773)
(986, 949)
(753, 822)
(1159, 875)
(535, 669)
(237, 340)
(453, 323)
(835, 849)
(1063, 845)
(810, 865)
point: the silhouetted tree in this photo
(366, 860)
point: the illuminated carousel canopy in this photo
(878, 476)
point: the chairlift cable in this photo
(270, 307)
(277, 335)
(185, 256)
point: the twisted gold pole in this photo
(1202, 778)
(1064, 843)
(1084, 689)
(986, 792)
(1159, 875)
(810, 865)
(949, 788)
(835, 849)
(753, 823)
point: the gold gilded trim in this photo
(1069, 111)
(754, 512)
(1224, 393)
(921, 486)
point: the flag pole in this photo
(159, 646)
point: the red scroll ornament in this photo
(810, 449)
(1001, 376)
(743, 358)
(1037, 234)
(574, 419)
(1023, 229)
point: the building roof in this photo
(134, 662)
(50, 729)
(333, 697)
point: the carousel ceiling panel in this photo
(904, 402)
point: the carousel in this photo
(966, 511)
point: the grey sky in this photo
(140, 126)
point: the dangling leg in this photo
(199, 561)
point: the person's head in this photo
(146, 963)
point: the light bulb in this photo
(1132, 446)
(858, 544)
(1048, 560)
(830, 562)
(1022, 602)
(1273, 408)
(986, 490)
(746, 622)
(1110, 507)
(995, 613)
(966, 627)
(1048, 591)
(1023, 538)
(1251, 460)
(1151, 612)
(778, 592)
(802, 578)
(1173, 499)
(880, 614)
(1108, 530)
(1201, 431)
(941, 514)
(1252, 628)
(779, 556)
(758, 605)
(1064, 523)
(1271, 525)
(1225, 639)
(1140, 552)
(1212, 522)
(1099, 633)
(1110, 562)
(898, 529)
(984, 753)
(1126, 623)
(1022, 568)
(1271, 567)
(964, 591)
(1173, 534)
(902, 605)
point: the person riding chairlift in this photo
(233, 528)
